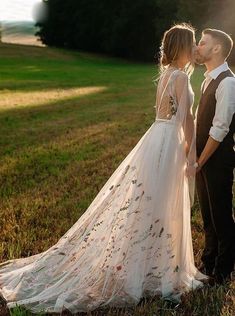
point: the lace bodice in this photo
(174, 89)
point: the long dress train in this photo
(134, 240)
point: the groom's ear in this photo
(217, 48)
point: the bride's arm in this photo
(184, 100)
(189, 131)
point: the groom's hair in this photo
(223, 39)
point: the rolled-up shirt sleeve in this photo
(225, 108)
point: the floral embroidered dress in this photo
(134, 240)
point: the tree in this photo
(125, 28)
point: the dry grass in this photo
(18, 99)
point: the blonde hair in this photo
(177, 40)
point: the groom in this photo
(216, 156)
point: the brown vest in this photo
(205, 115)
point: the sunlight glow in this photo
(15, 100)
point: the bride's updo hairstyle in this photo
(177, 40)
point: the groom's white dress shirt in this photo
(225, 102)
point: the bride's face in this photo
(204, 50)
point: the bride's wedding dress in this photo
(134, 240)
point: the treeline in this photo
(127, 28)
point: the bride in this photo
(134, 240)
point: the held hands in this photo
(198, 167)
(192, 169)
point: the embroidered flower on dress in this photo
(173, 107)
(160, 234)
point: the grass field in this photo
(67, 120)
(19, 32)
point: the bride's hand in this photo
(190, 171)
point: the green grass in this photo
(67, 120)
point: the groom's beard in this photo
(200, 60)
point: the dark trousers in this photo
(214, 188)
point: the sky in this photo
(17, 10)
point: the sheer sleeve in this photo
(174, 104)
(184, 97)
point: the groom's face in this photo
(204, 51)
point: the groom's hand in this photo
(198, 168)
